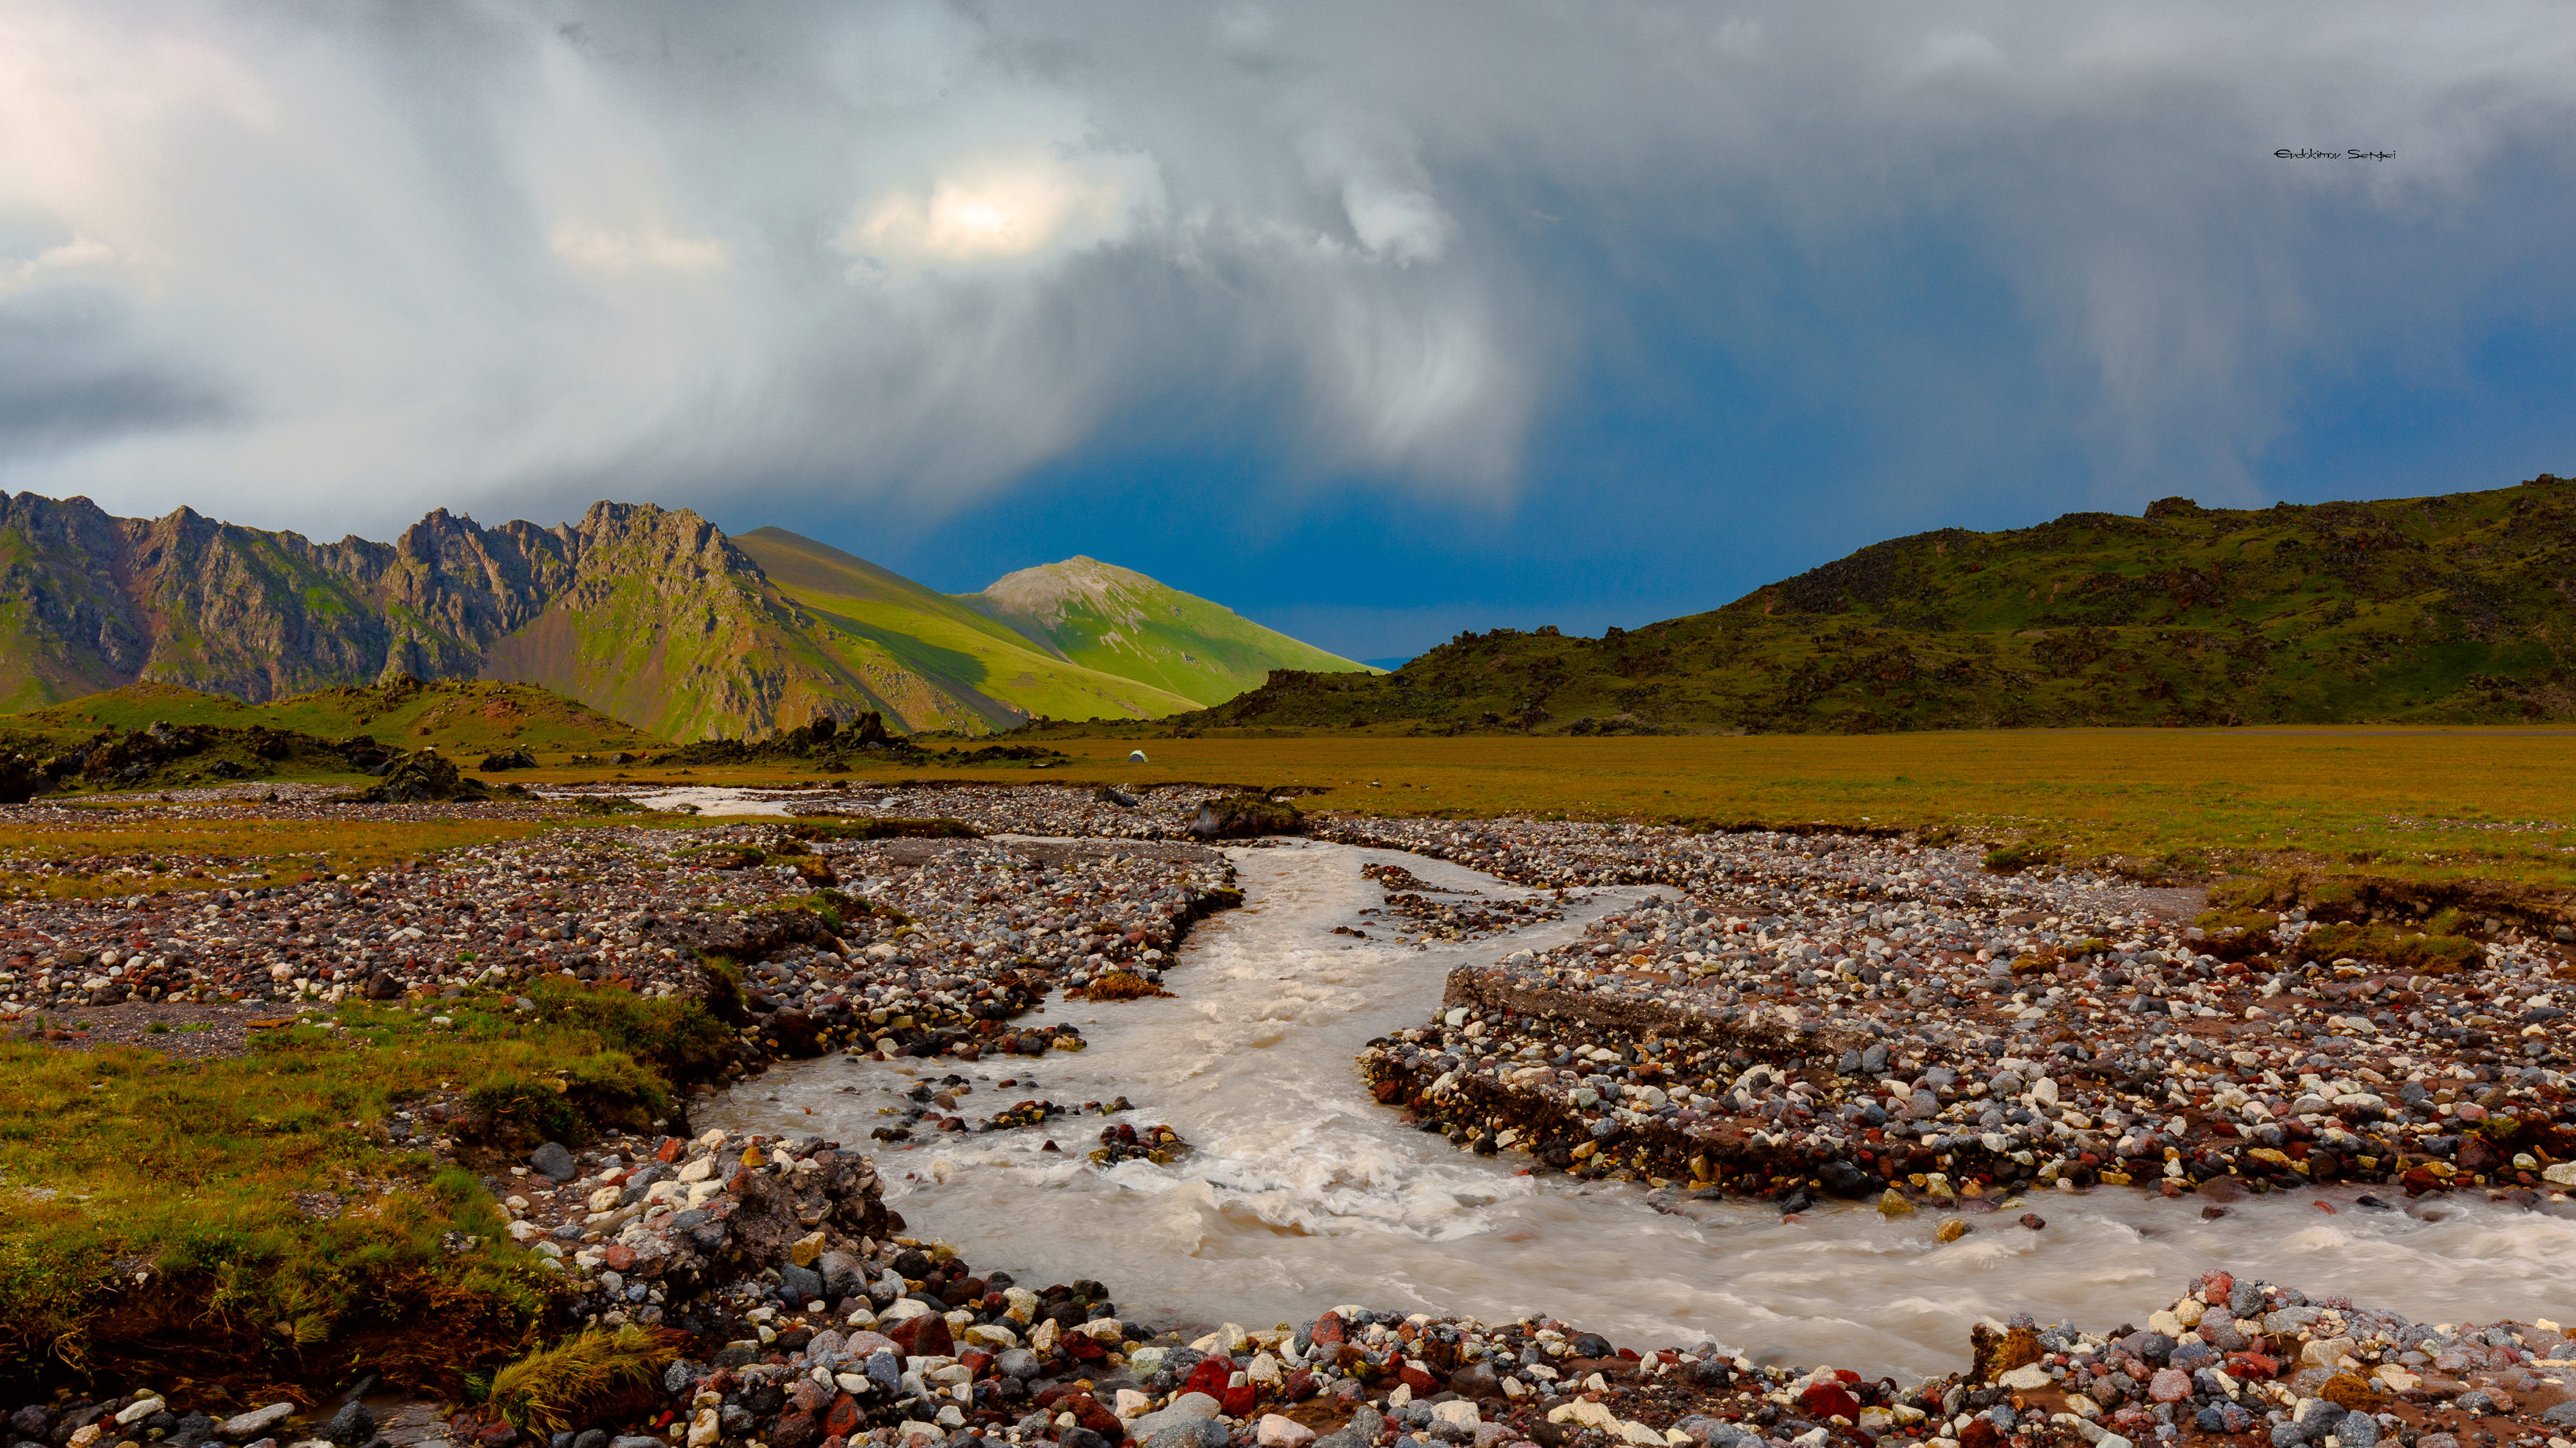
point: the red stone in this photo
(1299, 1387)
(2251, 1365)
(923, 1335)
(617, 1257)
(1082, 1347)
(1980, 1433)
(1088, 1412)
(1413, 1375)
(846, 1417)
(2419, 1181)
(671, 1149)
(1210, 1377)
(1239, 1400)
(795, 1428)
(977, 1361)
(2214, 1285)
(1328, 1328)
(1829, 1400)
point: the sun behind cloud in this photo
(1003, 210)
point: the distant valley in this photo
(652, 616)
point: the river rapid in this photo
(1303, 1193)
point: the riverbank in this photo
(795, 940)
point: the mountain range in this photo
(653, 616)
(2454, 609)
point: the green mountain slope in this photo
(462, 718)
(647, 614)
(1117, 621)
(890, 630)
(2443, 610)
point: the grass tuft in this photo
(583, 1379)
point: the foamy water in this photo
(1304, 1193)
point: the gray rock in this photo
(1018, 1362)
(636, 1440)
(243, 1427)
(843, 1274)
(886, 1370)
(590, 1438)
(2357, 1430)
(554, 1161)
(352, 1426)
(804, 1282)
(2474, 1403)
(1200, 1433)
(2563, 1415)
(1187, 1408)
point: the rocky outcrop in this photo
(648, 614)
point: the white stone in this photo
(139, 1410)
(1457, 1413)
(992, 1334)
(1263, 1369)
(705, 1428)
(1584, 1411)
(1279, 1432)
(256, 1423)
(2044, 1091)
(2026, 1378)
(903, 1307)
(1132, 1404)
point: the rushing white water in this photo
(1303, 1193)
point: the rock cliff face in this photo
(648, 614)
(652, 616)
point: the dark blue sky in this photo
(1374, 322)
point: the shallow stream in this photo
(1304, 1193)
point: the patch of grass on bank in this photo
(277, 1237)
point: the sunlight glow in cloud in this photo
(1003, 211)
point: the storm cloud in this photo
(329, 265)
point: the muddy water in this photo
(1303, 1193)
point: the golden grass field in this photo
(2419, 803)
(2422, 802)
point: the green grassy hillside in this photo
(883, 625)
(1117, 621)
(2457, 609)
(459, 717)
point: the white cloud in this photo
(990, 210)
(627, 251)
(336, 265)
(76, 254)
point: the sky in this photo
(1376, 321)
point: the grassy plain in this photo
(2416, 803)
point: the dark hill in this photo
(2458, 609)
